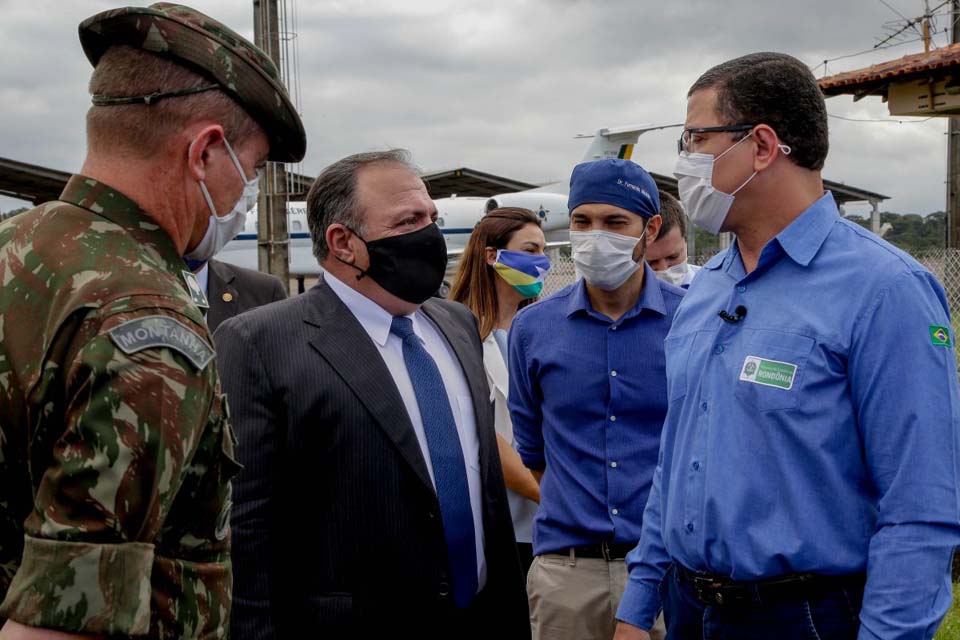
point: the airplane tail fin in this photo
(617, 142)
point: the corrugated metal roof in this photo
(40, 184)
(465, 181)
(30, 182)
(901, 68)
(842, 193)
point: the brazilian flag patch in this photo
(940, 336)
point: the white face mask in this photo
(604, 259)
(223, 229)
(701, 201)
(675, 274)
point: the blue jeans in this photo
(831, 615)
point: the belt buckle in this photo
(708, 590)
(719, 596)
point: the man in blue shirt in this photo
(808, 476)
(667, 253)
(588, 398)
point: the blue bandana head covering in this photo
(621, 183)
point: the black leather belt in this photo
(712, 590)
(606, 550)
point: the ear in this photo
(491, 255)
(767, 144)
(338, 241)
(653, 228)
(204, 144)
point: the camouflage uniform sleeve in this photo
(128, 534)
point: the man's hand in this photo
(629, 632)
(16, 631)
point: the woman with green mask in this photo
(502, 270)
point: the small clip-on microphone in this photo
(741, 312)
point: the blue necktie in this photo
(446, 457)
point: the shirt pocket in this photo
(677, 353)
(771, 369)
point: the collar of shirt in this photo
(801, 240)
(374, 318)
(650, 298)
(104, 201)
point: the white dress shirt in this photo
(689, 275)
(203, 278)
(376, 322)
(522, 510)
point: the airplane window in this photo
(297, 226)
(441, 222)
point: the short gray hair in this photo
(332, 198)
(144, 129)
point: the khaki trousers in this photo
(577, 598)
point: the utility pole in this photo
(953, 154)
(273, 239)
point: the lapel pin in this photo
(228, 297)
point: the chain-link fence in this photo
(561, 273)
(943, 263)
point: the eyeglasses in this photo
(683, 144)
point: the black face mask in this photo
(410, 266)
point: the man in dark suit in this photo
(231, 290)
(372, 502)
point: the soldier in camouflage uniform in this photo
(115, 451)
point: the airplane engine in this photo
(550, 207)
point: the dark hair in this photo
(475, 287)
(671, 211)
(332, 197)
(777, 90)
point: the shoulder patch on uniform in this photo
(162, 331)
(196, 292)
(940, 336)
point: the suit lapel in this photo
(219, 277)
(346, 346)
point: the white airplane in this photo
(457, 216)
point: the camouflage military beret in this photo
(210, 48)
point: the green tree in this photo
(12, 212)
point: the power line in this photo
(866, 51)
(881, 46)
(889, 6)
(889, 120)
(910, 23)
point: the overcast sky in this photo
(503, 86)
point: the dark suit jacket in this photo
(245, 289)
(336, 526)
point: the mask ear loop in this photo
(363, 273)
(784, 148)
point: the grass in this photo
(950, 628)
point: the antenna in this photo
(896, 28)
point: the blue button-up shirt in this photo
(819, 434)
(587, 398)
